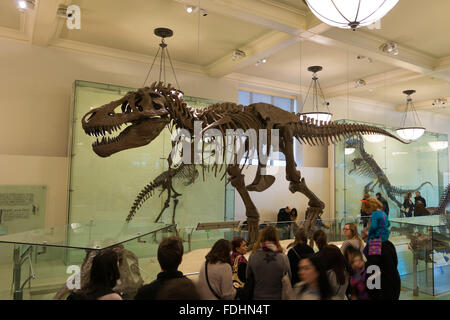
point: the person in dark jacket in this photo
(299, 249)
(389, 284)
(407, 208)
(418, 198)
(384, 203)
(102, 278)
(170, 253)
(284, 222)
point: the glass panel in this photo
(422, 253)
(106, 188)
(379, 166)
(41, 272)
(441, 257)
(85, 235)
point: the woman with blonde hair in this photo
(266, 267)
(353, 239)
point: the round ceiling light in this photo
(410, 133)
(349, 151)
(374, 138)
(415, 131)
(438, 145)
(350, 13)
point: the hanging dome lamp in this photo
(350, 13)
(414, 132)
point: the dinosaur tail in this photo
(399, 191)
(318, 133)
(143, 196)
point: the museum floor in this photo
(51, 274)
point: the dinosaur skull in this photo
(143, 112)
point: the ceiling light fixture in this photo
(316, 115)
(364, 58)
(417, 130)
(390, 47)
(438, 145)
(24, 5)
(190, 9)
(359, 83)
(164, 33)
(350, 14)
(260, 61)
(439, 102)
(348, 151)
(238, 54)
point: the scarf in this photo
(269, 246)
(236, 254)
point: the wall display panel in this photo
(385, 165)
(105, 188)
(22, 208)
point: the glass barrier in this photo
(106, 188)
(423, 249)
(41, 261)
(380, 164)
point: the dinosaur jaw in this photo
(138, 134)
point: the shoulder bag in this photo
(375, 244)
(209, 285)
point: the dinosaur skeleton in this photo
(130, 277)
(366, 165)
(148, 110)
(443, 203)
(185, 172)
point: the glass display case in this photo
(106, 188)
(382, 164)
(42, 260)
(423, 250)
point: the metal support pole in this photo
(415, 287)
(18, 294)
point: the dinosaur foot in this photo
(261, 184)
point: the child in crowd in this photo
(358, 279)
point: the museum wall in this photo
(39, 170)
(35, 97)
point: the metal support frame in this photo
(19, 259)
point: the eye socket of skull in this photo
(157, 100)
(137, 102)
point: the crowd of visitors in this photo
(363, 268)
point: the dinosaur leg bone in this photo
(237, 180)
(297, 183)
(262, 181)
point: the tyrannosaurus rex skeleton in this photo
(148, 110)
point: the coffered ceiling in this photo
(283, 32)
